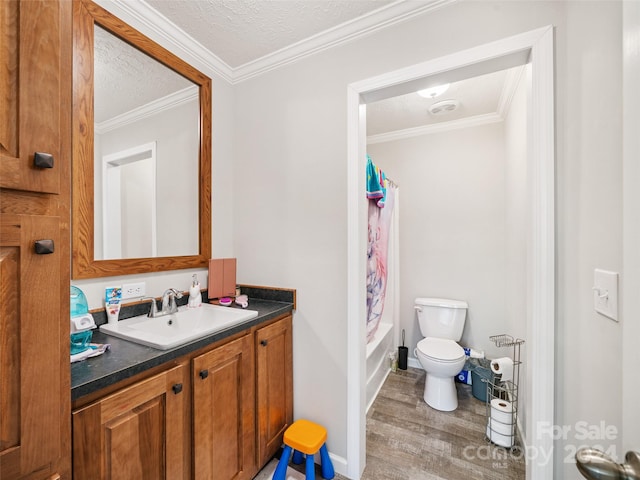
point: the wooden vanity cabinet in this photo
(227, 421)
(137, 432)
(231, 398)
(223, 412)
(274, 386)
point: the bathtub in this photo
(378, 351)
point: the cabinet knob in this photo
(43, 247)
(263, 343)
(204, 374)
(177, 388)
(43, 160)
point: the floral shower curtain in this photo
(377, 246)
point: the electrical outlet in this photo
(133, 290)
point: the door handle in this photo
(204, 374)
(177, 388)
(264, 343)
(595, 465)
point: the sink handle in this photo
(169, 301)
(153, 308)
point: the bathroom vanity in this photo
(214, 408)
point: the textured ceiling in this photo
(126, 78)
(243, 31)
(240, 31)
(477, 96)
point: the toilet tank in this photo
(441, 317)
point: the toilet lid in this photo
(441, 349)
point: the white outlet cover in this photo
(605, 293)
(133, 290)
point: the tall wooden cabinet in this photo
(35, 168)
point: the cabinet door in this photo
(136, 433)
(274, 360)
(223, 412)
(31, 429)
(34, 105)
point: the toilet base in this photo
(440, 393)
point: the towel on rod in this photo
(376, 183)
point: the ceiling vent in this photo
(443, 107)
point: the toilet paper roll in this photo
(499, 439)
(501, 428)
(502, 411)
(504, 366)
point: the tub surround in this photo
(378, 360)
(127, 359)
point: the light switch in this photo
(605, 293)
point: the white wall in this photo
(589, 222)
(453, 229)
(290, 192)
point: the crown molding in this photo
(153, 24)
(386, 16)
(512, 80)
(152, 108)
(474, 121)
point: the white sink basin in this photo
(176, 329)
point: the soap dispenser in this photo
(195, 296)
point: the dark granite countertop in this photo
(126, 359)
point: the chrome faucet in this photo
(168, 304)
(153, 308)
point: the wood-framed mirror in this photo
(141, 182)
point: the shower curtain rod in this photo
(391, 182)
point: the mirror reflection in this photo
(146, 154)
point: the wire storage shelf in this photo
(502, 398)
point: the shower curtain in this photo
(377, 257)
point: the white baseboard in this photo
(414, 363)
(339, 463)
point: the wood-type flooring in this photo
(408, 440)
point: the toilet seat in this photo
(441, 350)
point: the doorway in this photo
(536, 48)
(129, 178)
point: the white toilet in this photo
(441, 323)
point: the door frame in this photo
(537, 48)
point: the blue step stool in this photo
(305, 438)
